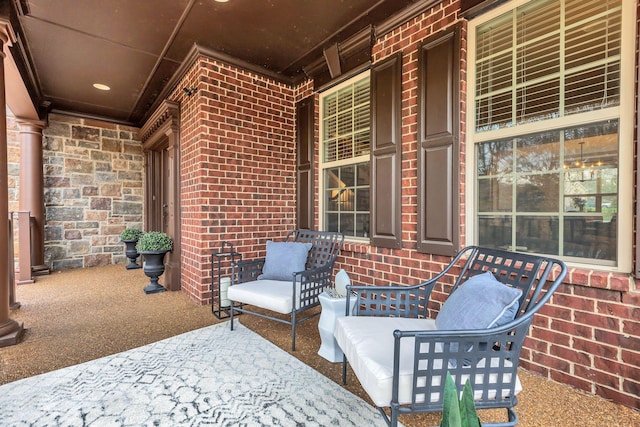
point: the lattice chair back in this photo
(527, 272)
(325, 249)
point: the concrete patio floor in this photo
(74, 316)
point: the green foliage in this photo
(154, 241)
(131, 234)
(458, 413)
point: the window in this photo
(548, 98)
(345, 136)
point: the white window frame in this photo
(322, 165)
(625, 113)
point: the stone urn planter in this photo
(130, 238)
(153, 246)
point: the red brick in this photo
(572, 380)
(595, 348)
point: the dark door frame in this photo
(161, 133)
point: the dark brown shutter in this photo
(304, 162)
(386, 152)
(438, 144)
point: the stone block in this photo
(99, 241)
(119, 164)
(97, 260)
(53, 232)
(96, 215)
(86, 133)
(106, 177)
(55, 252)
(78, 179)
(110, 133)
(61, 213)
(112, 190)
(52, 143)
(132, 148)
(57, 129)
(111, 145)
(100, 203)
(127, 208)
(55, 181)
(71, 193)
(66, 264)
(87, 224)
(92, 145)
(89, 232)
(72, 235)
(53, 170)
(78, 165)
(103, 167)
(129, 176)
(100, 156)
(79, 247)
(89, 190)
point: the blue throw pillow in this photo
(283, 259)
(479, 303)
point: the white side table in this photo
(332, 308)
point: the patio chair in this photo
(401, 357)
(288, 280)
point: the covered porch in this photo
(212, 146)
(110, 314)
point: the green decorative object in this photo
(154, 241)
(131, 234)
(130, 237)
(153, 246)
(460, 413)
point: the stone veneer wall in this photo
(93, 173)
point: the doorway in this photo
(160, 145)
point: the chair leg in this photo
(293, 331)
(344, 369)
(231, 315)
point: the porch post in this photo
(32, 186)
(10, 330)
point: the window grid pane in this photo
(346, 137)
(552, 192)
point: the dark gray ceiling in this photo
(136, 46)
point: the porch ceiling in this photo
(135, 47)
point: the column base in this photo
(14, 336)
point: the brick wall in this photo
(237, 148)
(92, 191)
(588, 336)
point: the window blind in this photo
(346, 122)
(547, 59)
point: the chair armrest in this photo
(312, 283)
(489, 358)
(391, 301)
(247, 271)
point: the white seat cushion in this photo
(274, 295)
(368, 344)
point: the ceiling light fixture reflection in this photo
(100, 86)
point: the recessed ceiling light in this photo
(100, 86)
(221, 1)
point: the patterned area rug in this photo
(220, 377)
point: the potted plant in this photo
(153, 246)
(458, 413)
(130, 237)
